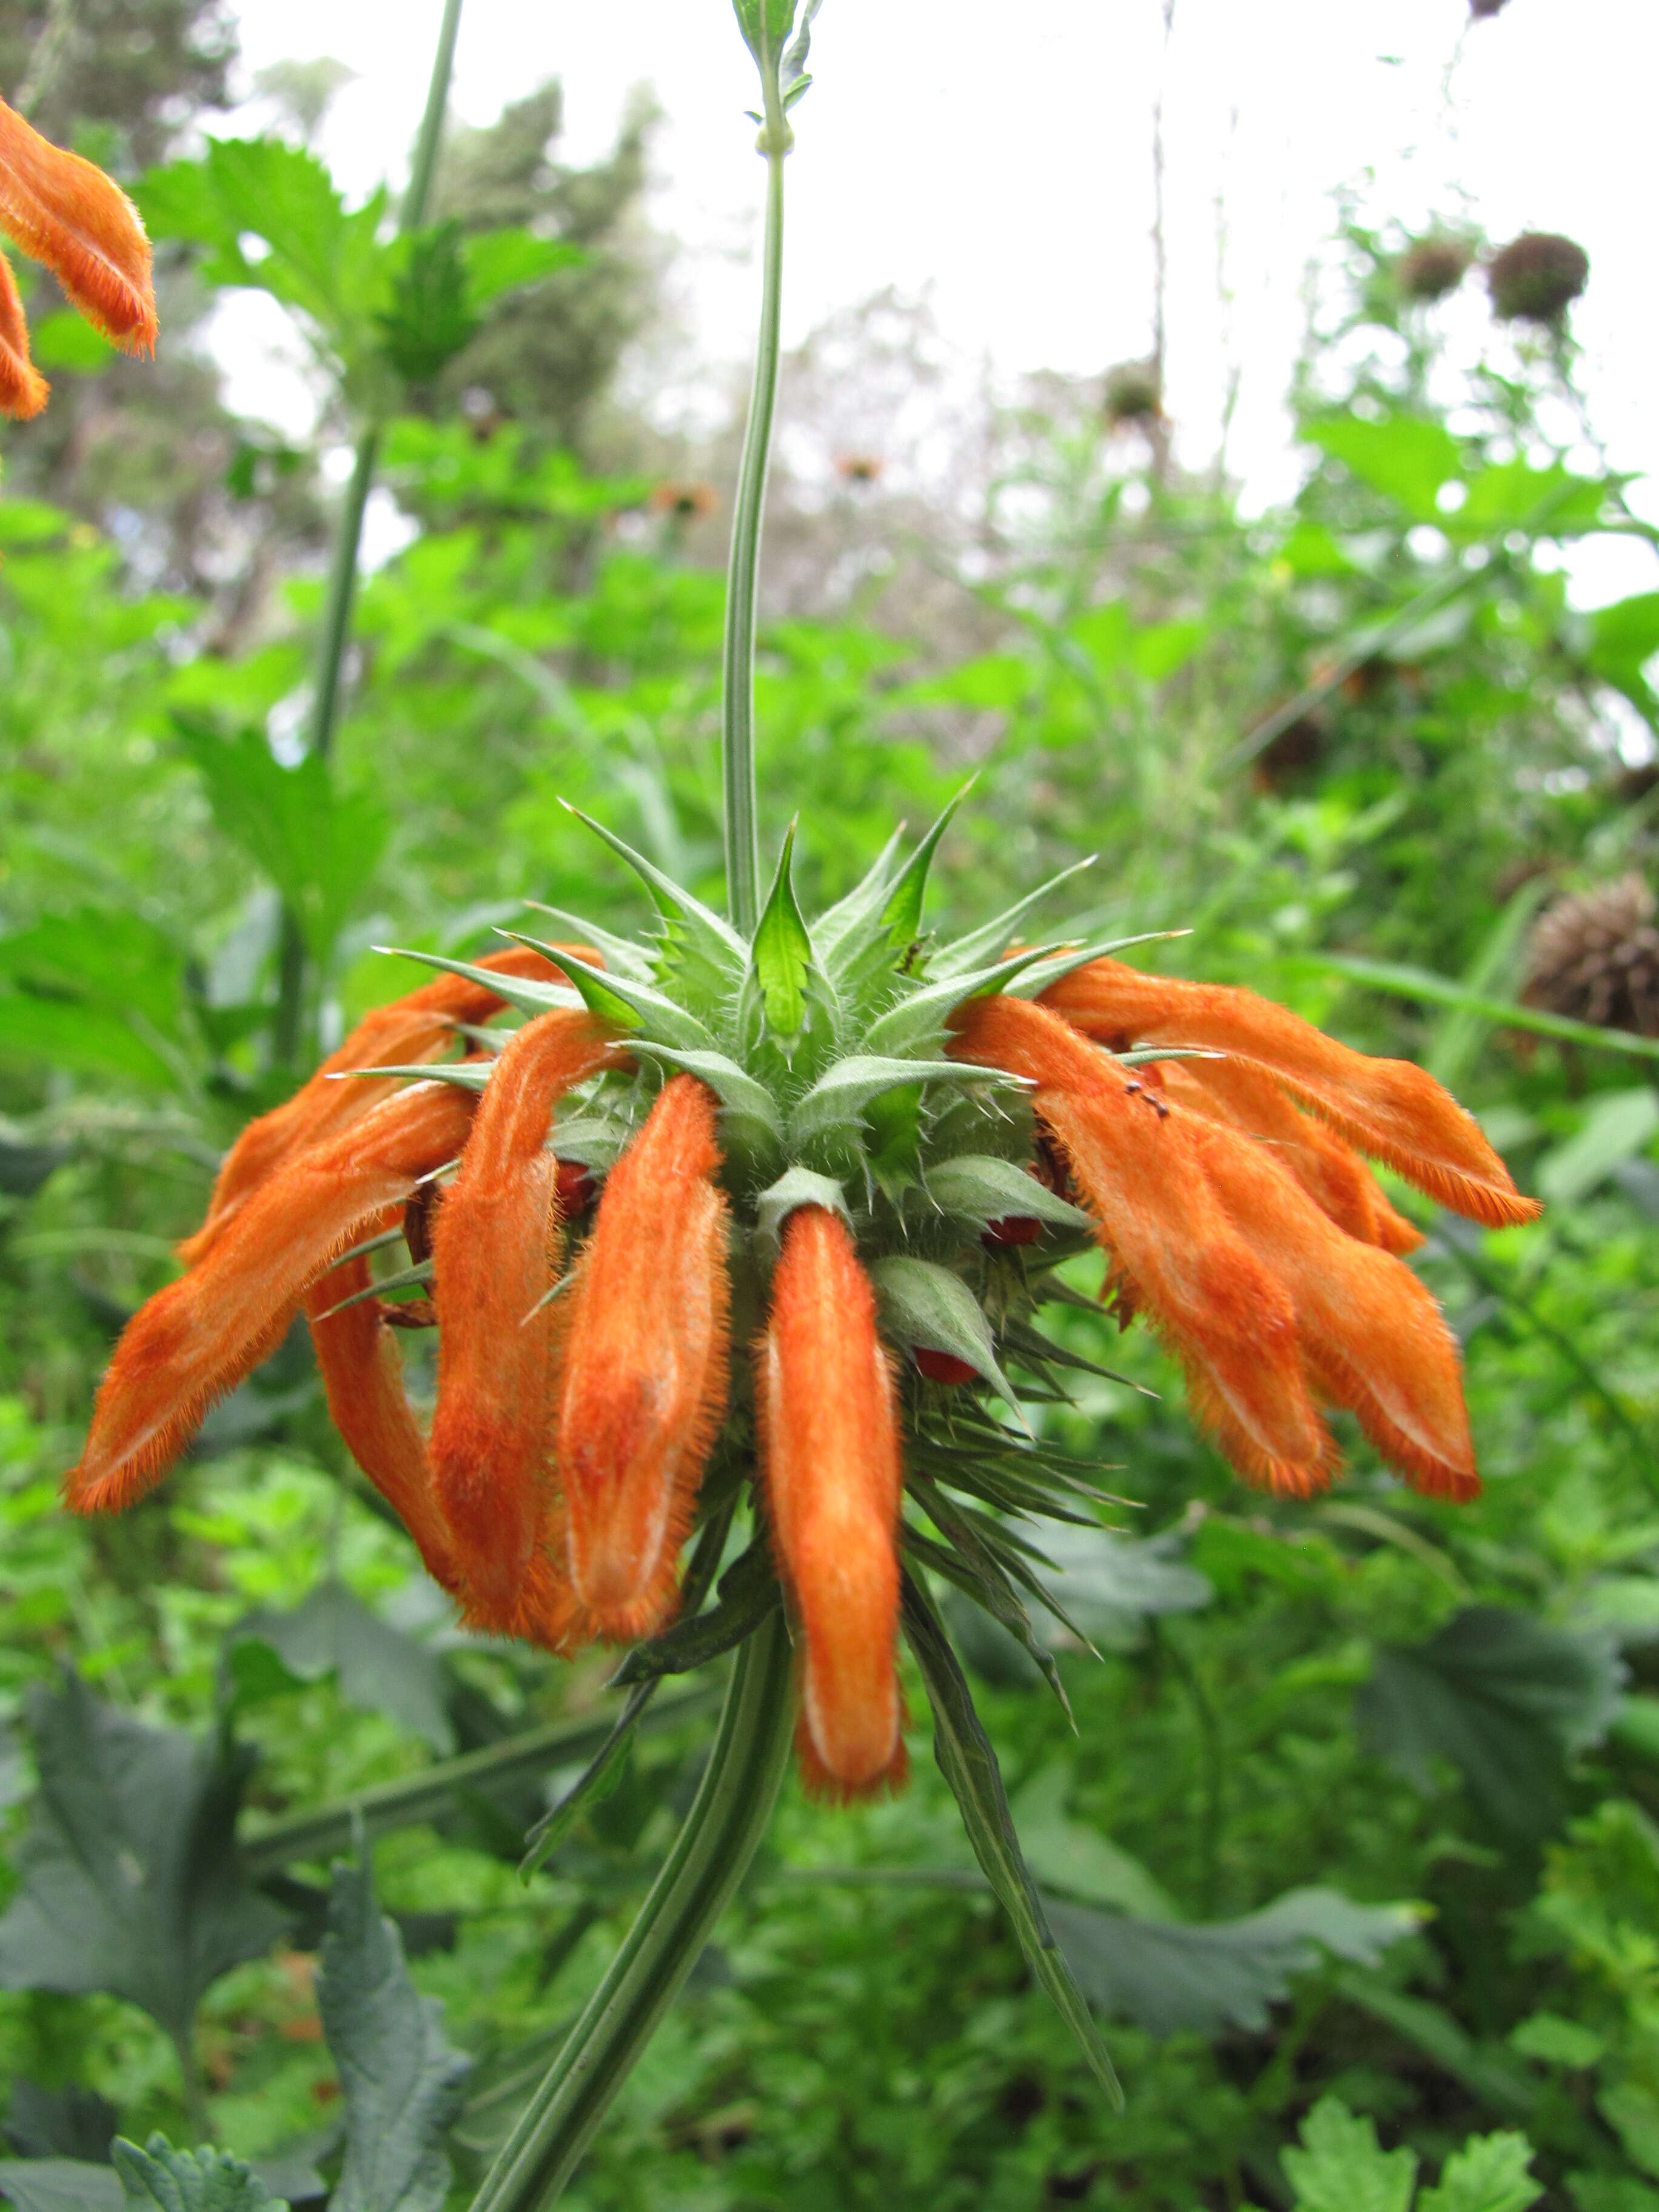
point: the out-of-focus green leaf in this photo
(400, 2077)
(1489, 2174)
(158, 2178)
(378, 1667)
(782, 952)
(130, 1876)
(1618, 1125)
(61, 2184)
(1408, 458)
(1341, 2167)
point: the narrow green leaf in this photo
(782, 952)
(705, 932)
(1030, 981)
(835, 1103)
(520, 991)
(902, 915)
(462, 1075)
(748, 1593)
(985, 1579)
(970, 1765)
(1401, 982)
(919, 1018)
(631, 1004)
(620, 952)
(861, 902)
(924, 1303)
(964, 953)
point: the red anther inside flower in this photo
(1013, 1230)
(574, 1184)
(942, 1366)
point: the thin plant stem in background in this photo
(349, 535)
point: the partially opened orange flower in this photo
(645, 1378)
(496, 1255)
(65, 212)
(827, 1406)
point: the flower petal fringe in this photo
(23, 390)
(496, 1251)
(1388, 1107)
(198, 1337)
(65, 211)
(1231, 1324)
(644, 1390)
(830, 1450)
(418, 1028)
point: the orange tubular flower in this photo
(1370, 1333)
(1172, 1246)
(23, 388)
(418, 1028)
(1387, 1107)
(1244, 1096)
(645, 1365)
(364, 1377)
(66, 212)
(830, 1450)
(494, 1249)
(199, 1336)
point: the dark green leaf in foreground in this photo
(379, 1668)
(130, 1878)
(400, 2078)
(60, 2185)
(1503, 1698)
(968, 1763)
(158, 2178)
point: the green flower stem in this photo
(709, 1858)
(738, 672)
(349, 535)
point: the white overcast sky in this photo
(997, 161)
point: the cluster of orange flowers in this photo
(65, 212)
(572, 1430)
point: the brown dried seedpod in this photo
(1595, 957)
(1431, 267)
(683, 502)
(1536, 277)
(1133, 394)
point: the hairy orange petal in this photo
(418, 1028)
(363, 1377)
(199, 1336)
(496, 1251)
(1231, 1324)
(66, 212)
(1243, 1096)
(1388, 1107)
(645, 1378)
(1369, 1330)
(23, 388)
(830, 1450)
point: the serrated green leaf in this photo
(749, 1117)
(782, 952)
(701, 942)
(970, 1765)
(861, 904)
(1489, 2174)
(620, 952)
(523, 992)
(130, 1877)
(497, 261)
(924, 1303)
(980, 1188)
(158, 2178)
(1341, 2167)
(796, 1186)
(399, 2076)
(919, 1018)
(835, 1105)
(631, 1004)
(965, 953)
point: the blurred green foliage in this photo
(1356, 1830)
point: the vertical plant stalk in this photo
(743, 574)
(709, 1858)
(349, 534)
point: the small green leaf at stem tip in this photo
(795, 1187)
(782, 951)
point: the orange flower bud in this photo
(1388, 1107)
(830, 1452)
(1183, 1262)
(23, 388)
(644, 1370)
(1243, 1096)
(1369, 1331)
(66, 212)
(496, 1254)
(416, 1027)
(197, 1338)
(363, 1378)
